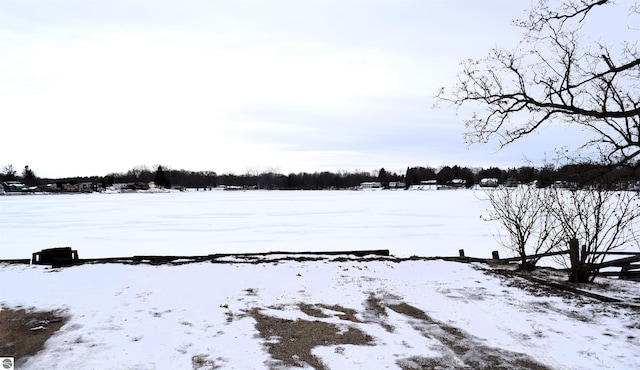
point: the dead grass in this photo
(459, 349)
(290, 342)
(203, 362)
(23, 332)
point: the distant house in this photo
(130, 187)
(429, 185)
(397, 185)
(70, 188)
(370, 185)
(118, 186)
(425, 185)
(233, 187)
(51, 187)
(13, 186)
(458, 183)
(85, 187)
(489, 182)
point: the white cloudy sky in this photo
(92, 87)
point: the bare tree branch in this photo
(556, 74)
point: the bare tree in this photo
(522, 214)
(559, 72)
(9, 173)
(600, 220)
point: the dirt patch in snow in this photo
(203, 362)
(23, 333)
(291, 341)
(459, 349)
(545, 282)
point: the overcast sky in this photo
(93, 87)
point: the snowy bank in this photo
(333, 313)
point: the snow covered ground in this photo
(357, 315)
(325, 312)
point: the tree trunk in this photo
(578, 272)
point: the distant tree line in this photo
(577, 175)
(28, 177)
(269, 180)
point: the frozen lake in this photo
(422, 223)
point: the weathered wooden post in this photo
(623, 271)
(461, 251)
(574, 256)
(495, 255)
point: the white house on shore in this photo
(425, 185)
(370, 185)
(397, 185)
(489, 182)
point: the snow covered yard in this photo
(325, 313)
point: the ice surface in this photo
(423, 223)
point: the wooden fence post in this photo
(623, 272)
(495, 255)
(574, 255)
(461, 251)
